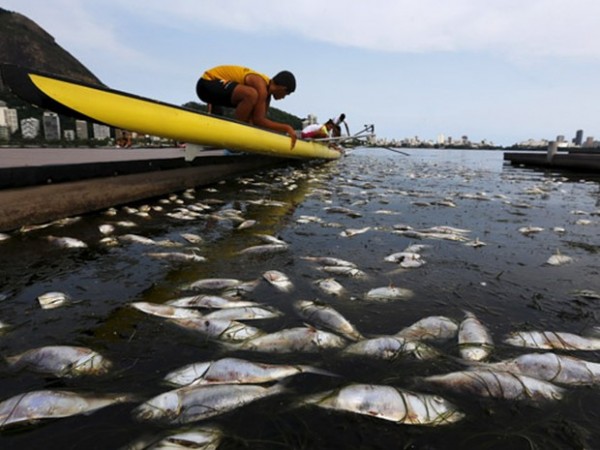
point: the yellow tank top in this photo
(232, 73)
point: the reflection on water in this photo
(506, 283)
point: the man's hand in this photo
(292, 133)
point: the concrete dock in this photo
(575, 161)
(38, 185)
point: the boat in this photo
(146, 116)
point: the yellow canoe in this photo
(146, 116)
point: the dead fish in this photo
(236, 371)
(349, 232)
(268, 239)
(329, 261)
(475, 243)
(67, 242)
(244, 313)
(166, 311)
(388, 293)
(530, 230)
(388, 403)
(51, 404)
(106, 229)
(299, 339)
(341, 210)
(137, 239)
(51, 300)
(406, 259)
(345, 271)
(430, 328)
(246, 224)
(552, 340)
(501, 385)
(61, 361)
(224, 330)
(177, 256)
(586, 293)
(192, 238)
(209, 301)
(320, 314)
(202, 438)
(212, 284)
(265, 249)
(391, 347)
(279, 280)
(474, 340)
(551, 367)
(330, 286)
(558, 259)
(199, 402)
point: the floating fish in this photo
(106, 229)
(552, 340)
(388, 293)
(265, 249)
(244, 313)
(474, 340)
(177, 256)
(406, 259)
(209, 301)
(200, 438)
(51, 404)
(224, 330)
(349, 232)
(558, 259)
(236, 371)
(346, 271)
(67, 242)
(530, 230)
(551, 367)
(166, 311)
(61, 361)
(246, 224)
(299, 339)
(330, 286)
(388, 403)
(501, 385)
(391, 347)
(213, 284)
(341, 210)
(320, 314)
(430, 328)
(192, 238)
(198, 402)
(51, 300)
(329, 261)
(279, 280)
(268, 239)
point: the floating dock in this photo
(578, 161)
(39, 185)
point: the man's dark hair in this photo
(286, 79)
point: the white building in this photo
(30, 128)
(101, 131)
(8, 118)
(69, 135)
(81, 130)
(51, 126)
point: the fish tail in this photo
(317, 371)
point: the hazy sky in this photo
(502, 70)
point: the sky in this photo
(500, 70)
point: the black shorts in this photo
(216, 92)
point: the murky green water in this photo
(506, 283)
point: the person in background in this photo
(249, 92)
(318, 131)
(337, 129)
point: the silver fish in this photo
(212, 284)
(279, 280)
(137, 239)
(558, 259)
(192, 238)
(391, 347)
(551, 367)
(299, 339)
(61, 361)
(346, 271)
(552, 340)
(502, 385)
(67, 242)
(388, 403)
(199, 438)
(193, 403)
(268, 239)
(350, 232)
(51, 404)
(474, 340)
(51, 300)
(177, 256)
(236, 371)
(224, 330)
(320, 314)
(530, 230)
(244, 313)
(430, 328)
(209, 301)
(106, 229)
(330, 286)
(329, 261)
(264, 249)
(166, 311)
(246, 224)
(388, 293)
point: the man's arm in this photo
(259, 115)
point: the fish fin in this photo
(317, 371)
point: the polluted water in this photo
(440, 299)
